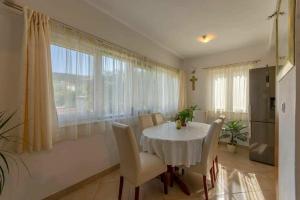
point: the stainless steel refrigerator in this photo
(262, 114)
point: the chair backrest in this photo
(209, 145)
(128, 150)
(216, 140)
(157, 118)
(222, 117)
(146, 121)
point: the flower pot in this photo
(178, 124)
(231, 148)
(183, 123)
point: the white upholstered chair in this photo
(157, 118)
(215, 151)
(146, 121)
(206, 165)
(137, 168)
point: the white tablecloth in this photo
(175, 147)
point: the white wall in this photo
(234, 56)
(297, 121)
(79, 14)
(289, 127)
(70, 161)
(287, 98)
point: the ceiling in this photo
(176, 24)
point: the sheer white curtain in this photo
(95, 84)
(228, 92)
(130, 88)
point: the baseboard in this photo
(78, 185)
(238, 145)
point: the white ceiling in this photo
(175, 24)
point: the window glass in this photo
(73, 81)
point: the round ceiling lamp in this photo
(206, 38)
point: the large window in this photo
(228, 92)
(219, 93)
(239, 93)
(73, 81)
(94, 85)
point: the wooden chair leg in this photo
(205, 188)
(162, 178)
(171, 173)
(217, 164)
(212, 178)
(214, 172)
(137, 193)
(165, 178)
(121, 187)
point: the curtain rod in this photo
(20, 8)
(232, 64)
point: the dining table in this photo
(175, 147)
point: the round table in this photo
(176, 147)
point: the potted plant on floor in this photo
(6, 156)
(234, 131)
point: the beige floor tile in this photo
(86, 192)
(238, 179)
(114, 176)
(259, 195)
(107, 191)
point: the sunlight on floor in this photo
(238, 179)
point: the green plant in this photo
(187, 114)
(234, 131)
(5, 155)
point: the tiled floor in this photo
(238, 179)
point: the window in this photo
(96, 86)
(73, 82)
(219, 93)
(228, 91)
(239, 93)
(130, 89)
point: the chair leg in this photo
(137, 193)
(214, 172)
(165, 177)
(121, 187)
(217, 164)
(205, 188)
(212, 178)
(171, 173)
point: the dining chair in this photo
(146, 121)
(157, 118)
(136, 167)
(215, 151)
(206, 164)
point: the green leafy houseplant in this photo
(186, 115)
(6, 156)
(234, 131)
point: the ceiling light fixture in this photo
(206, 38)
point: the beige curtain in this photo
(182, 101)
(39, 117)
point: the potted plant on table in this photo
(186, 115)
(234, 131)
